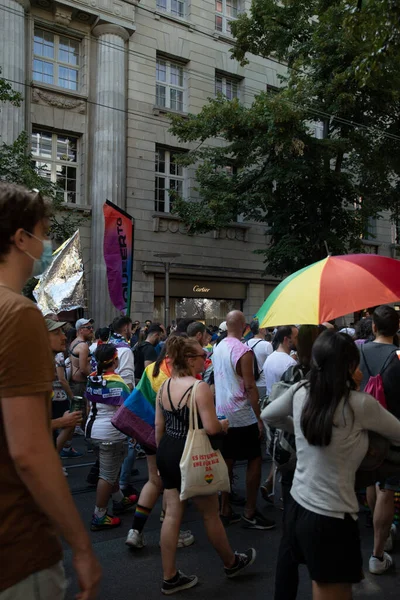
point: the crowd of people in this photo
(319, 397)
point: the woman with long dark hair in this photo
(330, 420)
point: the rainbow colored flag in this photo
(247, 335)
(107, 389)
(136, 417)
(118, 255)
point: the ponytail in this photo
(105, 356)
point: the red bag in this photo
(374, 385)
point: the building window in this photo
(169, 178)
(174, 7)
(55, 59)
(225, 12)
(170, 85)
(55, 157)
(227, 86)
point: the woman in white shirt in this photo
(331, 422)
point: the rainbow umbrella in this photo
(331, 288)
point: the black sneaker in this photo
(233, 518)
(182, 582)
(266, 493)
(129, 490)
(258, 521)
(242, 561)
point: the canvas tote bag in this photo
(203, 470)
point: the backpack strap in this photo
(365, 361)
(387, 362)
(252, 347)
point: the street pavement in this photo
(134, 574)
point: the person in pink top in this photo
(237, 400)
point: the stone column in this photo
(108, 176)
(13, 65)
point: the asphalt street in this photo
(136, 574)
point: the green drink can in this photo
(79, 403)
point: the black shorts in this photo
(242, 443)
(169, 454)
(58, 408)
(330, 547)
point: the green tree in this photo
(308, 192)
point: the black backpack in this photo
(281, 445)
(257, 371)
(138, 358)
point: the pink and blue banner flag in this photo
(118, 255)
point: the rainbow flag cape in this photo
(136, 417)
(107, 389)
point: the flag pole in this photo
(128, 304)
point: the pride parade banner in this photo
(118, 255)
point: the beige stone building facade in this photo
(100, 79)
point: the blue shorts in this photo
(391, 484)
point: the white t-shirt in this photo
(126, 368)
(93, 348)
(262, 350)
(102, 429)
(230, 394)
(275, 366)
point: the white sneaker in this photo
(186, 538)
(390, 541)
(135, 539)
(378, 567)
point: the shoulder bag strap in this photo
(193, 415)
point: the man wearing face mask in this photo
(35, 500)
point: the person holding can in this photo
(106, 392)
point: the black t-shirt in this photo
(376, 355)
(143, 352)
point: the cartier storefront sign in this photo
(189, 288)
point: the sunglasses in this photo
(203, 355)
(88, 327)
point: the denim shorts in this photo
(111, 455)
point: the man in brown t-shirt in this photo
(35, 502)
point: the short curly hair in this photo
(19, 209)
